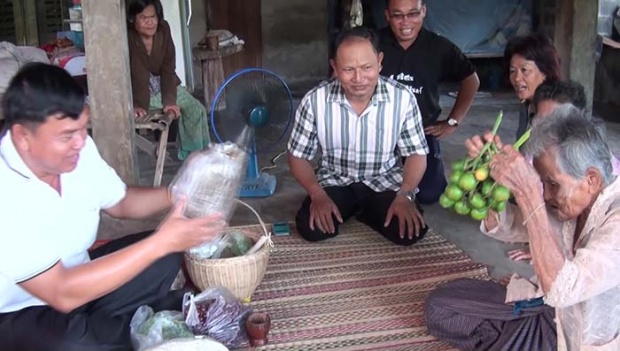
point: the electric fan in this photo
(253, 104)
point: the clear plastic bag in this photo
(210, 181)
(148, 329)
(218, 314)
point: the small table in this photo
(212, 68)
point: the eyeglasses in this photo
(402, 16)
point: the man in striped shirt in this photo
(362, 124)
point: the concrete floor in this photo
(462, 231)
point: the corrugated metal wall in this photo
(7, 25)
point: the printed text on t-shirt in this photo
(407, 79)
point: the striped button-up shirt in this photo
(365, 148)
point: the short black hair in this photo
(357, 32)
(566, 91)
(40, 90)
(539, 48)
(135, 7)
(387, 3)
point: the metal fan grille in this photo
(248, 90)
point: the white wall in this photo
(172, 14)
(295, 40)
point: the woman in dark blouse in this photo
(531, 60)
(154, 82)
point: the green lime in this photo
(461, 208)
(445, 202)
(454, 177)
(487, 186)
(453, 192)
(468, 181)
(499, 206)
(477, 201)
(479, 213)
(458, 165)
(500, 193)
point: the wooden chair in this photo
(155, 120)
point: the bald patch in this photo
(350, 41)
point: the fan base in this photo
(263, 186)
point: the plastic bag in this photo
(356, 15)
(218, 314)
(148, 329)
(210, 181)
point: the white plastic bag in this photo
(356, 15)
(148, 329)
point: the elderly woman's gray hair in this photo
(579, 142)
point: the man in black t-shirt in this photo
(422, 60)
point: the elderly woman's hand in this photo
(139, 112)
(475, 144)
(176, 110)
(511, 169)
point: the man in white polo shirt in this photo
(54, 294)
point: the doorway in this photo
(243, 19)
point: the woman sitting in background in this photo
(568, 207)
(154, 82)
(531, 60)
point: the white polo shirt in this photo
(39, 227)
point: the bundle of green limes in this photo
(471, 190)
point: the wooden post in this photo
(109, 85)
(575, 39)
(25, 18)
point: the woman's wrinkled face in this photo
(525, 77)
(565, 196)
(146, 21)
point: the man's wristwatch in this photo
(453, 122)
(410, 195)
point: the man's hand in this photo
(179, 233)
(407, 213)
(139, 112)
(174, 109)
(321, 210)
(440, 129)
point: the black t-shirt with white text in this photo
(428, 62)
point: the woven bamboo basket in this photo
(241, 275)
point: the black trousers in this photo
(102, 324)
(434, 182)
(358, 200)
